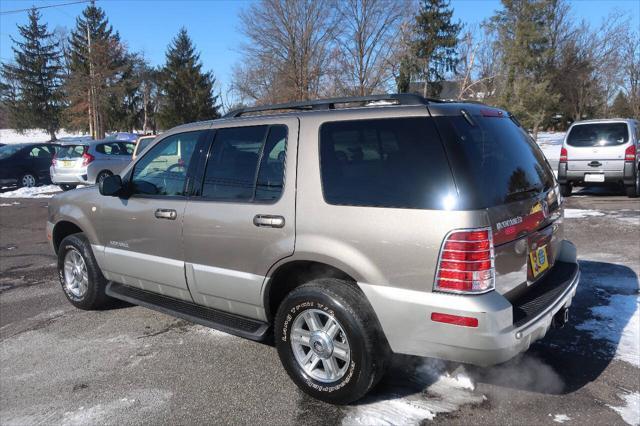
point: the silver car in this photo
(346, 229)
(87, 163)
(596, 152)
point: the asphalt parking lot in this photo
(60, 365)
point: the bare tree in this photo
(369, 31)
(287, 53)
(631, 69)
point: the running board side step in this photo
(213, 318)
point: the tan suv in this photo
(347, 229)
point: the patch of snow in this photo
(445, 394)
(561, 418)
(619, 324)
(550, 143)
(46, 191)
(10, 136)
(581, 213)
(15, 203)
(630, 412)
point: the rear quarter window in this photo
(397, 162)
(598, 134)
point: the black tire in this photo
(66, 187)
(634, 190)
(369, 350)
(94, 298)
(31, 177)
(566, 189)
(102, 176)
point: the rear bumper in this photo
(625, 175)
(69, 177)
(502, 331)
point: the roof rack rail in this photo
(327, 104)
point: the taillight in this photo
(54, 160)
(630, 153)
(87, 158)
(466, 262)
(564, 157)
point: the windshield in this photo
(7, 151)
(598, 134)
(495, 160)
(71, 151)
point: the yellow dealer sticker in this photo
(539, 260)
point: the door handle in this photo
(169, 214)
(268, 221)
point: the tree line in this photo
(531, 57)
(89, 81)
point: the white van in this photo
(600, 151)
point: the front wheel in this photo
(329, 341)
(80, 277)
(102, 176)
(27, 180)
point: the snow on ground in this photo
(630, 412)
(581, 213)
(46, 191)
(11, 204)
(560, 418)
(550, 143)
(445, 393)
(10, 136)
(619, 324)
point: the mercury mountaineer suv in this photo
(344, 229)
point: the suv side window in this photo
(246, 164)
(163, 170)
(398, 162)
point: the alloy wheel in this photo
(320, 345)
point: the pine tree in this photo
(435, 44)
(522, 28)
(621, 107)
(187, 90)
(99, 66)
(32, 93)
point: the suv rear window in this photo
(398, 162)
(598, 134)
(494, 160)
(71, 151)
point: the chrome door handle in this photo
(268, 221)
(166, 214)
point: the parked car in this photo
(596, 152)
(25, 164)
(141, 144)
(345, 229)
(85, 163)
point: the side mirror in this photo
(111, 186)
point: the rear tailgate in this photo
(499, 168)
(597, 147)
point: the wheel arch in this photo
(63, 229)
(293, 273)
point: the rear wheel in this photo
(28, 180)
(102, 176)
(566, 189)
(80, 277)
(66, 187)
(329, 341)
(633, 191)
